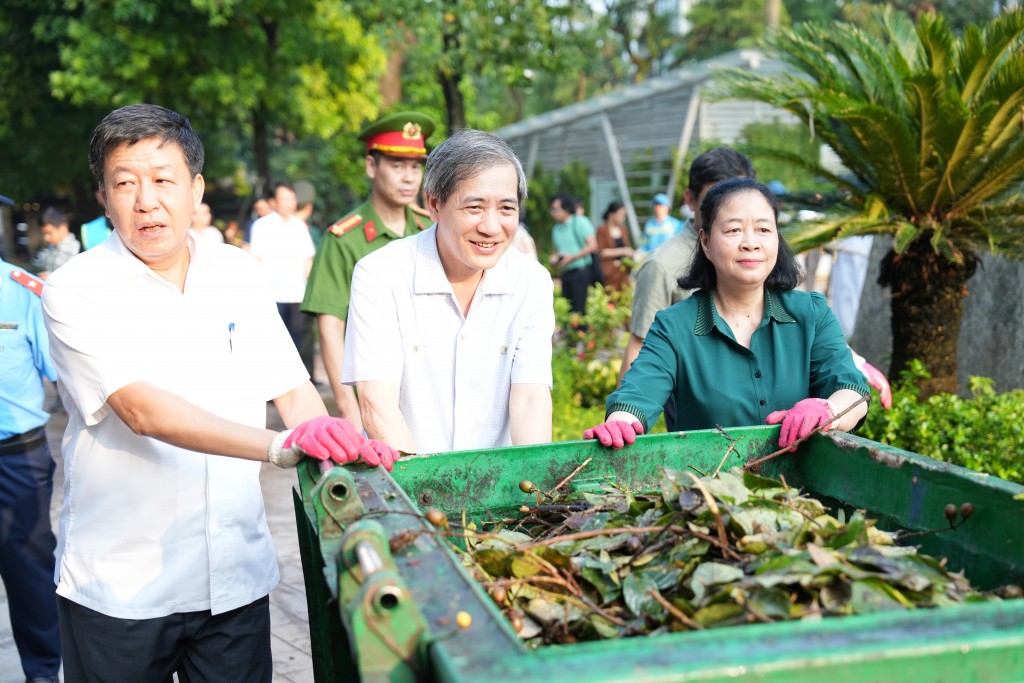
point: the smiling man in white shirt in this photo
(449, 331)
(164, 559)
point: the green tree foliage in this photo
(457, 44)
(723, 25)
(794, 139)
(44, 139)
(929, 125)
(278, 69)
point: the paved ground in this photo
(288, 615)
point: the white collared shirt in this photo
(148, 529)
(454, 373)
(284, 248)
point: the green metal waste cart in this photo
(382, 615)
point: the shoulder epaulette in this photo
(419, 209)
(345, 224)
(27, 281)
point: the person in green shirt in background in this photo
(395, 154)
(748, 347)
(573, 238)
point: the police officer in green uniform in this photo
(395, 154)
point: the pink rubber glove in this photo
(326, 437)
(615, 433)
(375, 453)
(875, 378)
(801, 419)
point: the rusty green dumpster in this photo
(382, 615)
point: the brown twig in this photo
(792, 447)
(566, 480)
(713, 506)
(731, 449)
(592, 533)
(726, 549)
(674, 611)
(602, 613)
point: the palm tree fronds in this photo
(906, 233)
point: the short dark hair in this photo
(53, 216)
(785, 275)
(612, 208)
(278, 185)
(566, 201)
(137, 122)
(716, 165)
(464, 155)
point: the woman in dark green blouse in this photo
(747, 348)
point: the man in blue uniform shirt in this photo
(662, 226)
(26, 476)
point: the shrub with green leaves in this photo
(586, 359)
(594, 342)
(984, 432)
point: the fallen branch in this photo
(674, 611)
(566, 480)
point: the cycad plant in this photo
(930, 126)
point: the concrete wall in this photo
(991, 340)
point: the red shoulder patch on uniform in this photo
(419, 209)
(27, 281)
(370, 230)
(345, 224)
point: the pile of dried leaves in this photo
(702, 552)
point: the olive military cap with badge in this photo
(403, 134)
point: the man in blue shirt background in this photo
(26, 476)
(663, 226)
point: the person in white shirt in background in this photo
(281, 241)
(202, 226)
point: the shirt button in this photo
(503, 349)
(415, 348)
(757, 375)
(462, 337)
(762, 401)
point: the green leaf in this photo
(495, 561)
(873, 595)
(720, 614)
(636, 590)
(728, 486)
(547, 612)
(770, 602)
(524, 566)
(758, 483)
(603, 627)
(710, 574)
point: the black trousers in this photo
(574, 288)
(200, 647)
(26, 555)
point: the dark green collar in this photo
(707, 315)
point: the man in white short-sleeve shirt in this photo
(163, 541)
(281, 241)
(449, 332)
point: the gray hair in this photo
(137, 122)
(467, 154)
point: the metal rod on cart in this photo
(369, 559)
